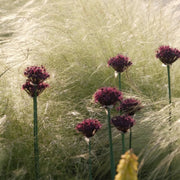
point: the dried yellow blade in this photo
(127, 167)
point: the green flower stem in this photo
(169, 83)
(169, 93)
(119, 75)
(36, 150)
(123, 144)
(113, 172)
(90, 163)
(123, 141)
(130, 138)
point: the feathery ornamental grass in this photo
(74, 40)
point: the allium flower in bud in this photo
(119, 63)
(130, 106)
(167, 55)
(89, 127)
(34, 89)
(123, 123)
(36, 74)
(108, 96)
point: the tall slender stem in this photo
(113, 172)
(119, 75)
(90, 163)
(123, 144)
(36, 150)
(123, 141)
(130, 138)
(169, 93)
(169, 83)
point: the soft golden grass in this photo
(74, 39)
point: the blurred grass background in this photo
(74, 39)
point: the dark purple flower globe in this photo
(167, 55)
(130, 106)
(34, 89)
(88, 127)
(119, 63)
(108, 96)
(123, 123)
(36, 74)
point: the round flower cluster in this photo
(130, 106)
(108, 96)
(119, 63)
(36, 76)
(123, 123)
(89, 127)
(167, 55)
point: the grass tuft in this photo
(74, 40)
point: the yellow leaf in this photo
(127, 167)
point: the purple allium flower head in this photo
(130, 106)
(108, 96)
(36, 74)
(123, 123)
(167, 55)
(119, 63)
(89, 127)
(33, 89)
